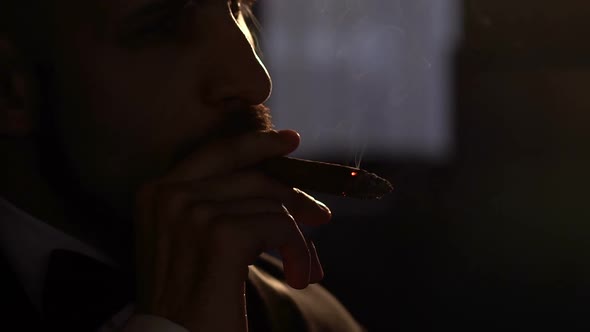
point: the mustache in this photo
(242, 121)
(235, 123)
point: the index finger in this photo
(233, 154)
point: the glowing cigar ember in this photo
(327, 178)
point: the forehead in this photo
(99, 16)
(106, 9)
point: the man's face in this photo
(138, 84)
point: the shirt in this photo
(27, 243)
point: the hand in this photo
(200, 226)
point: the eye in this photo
(162, 27)
(241, 7)
(167, 24)
(235, 7)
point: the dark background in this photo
(497, 237)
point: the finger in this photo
(296, 263)
(250, 207)
(235, 186)
(257, 206)
(317, 271)
(255, 184)
(296, 258)
(306, 209)
(242, 239)
(234, 153)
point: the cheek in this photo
(126, 119)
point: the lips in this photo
(235, 122)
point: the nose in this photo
(235, 72)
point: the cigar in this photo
(327, 178)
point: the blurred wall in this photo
(516, 199)
(498, 237)
(362, 79)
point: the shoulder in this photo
(313, 307)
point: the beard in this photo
(234, 124)
(103, 218)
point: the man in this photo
(130, 135)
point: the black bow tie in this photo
(82, 293)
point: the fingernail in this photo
(290, 137)
(324, 207)
(289, 134)
(317, 270)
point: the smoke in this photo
(360, 77)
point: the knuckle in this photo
(256, 179)
(171, 203)
(263, 182)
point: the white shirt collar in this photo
(27, 243)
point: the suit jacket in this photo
(272, 305)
